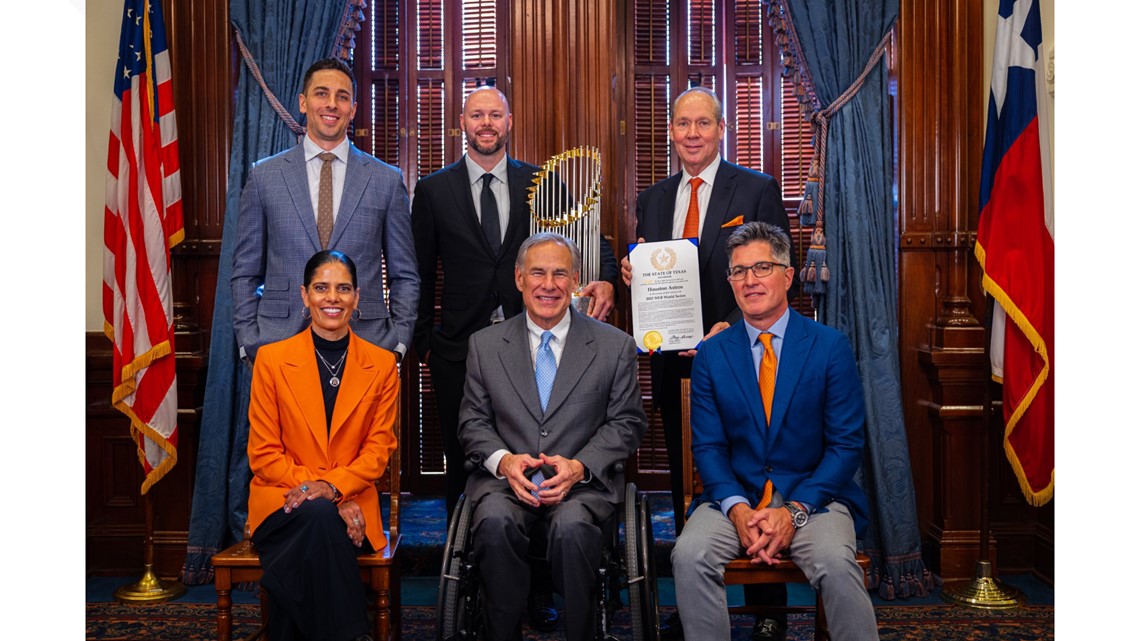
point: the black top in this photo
(333, 352)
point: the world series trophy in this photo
(566, 198)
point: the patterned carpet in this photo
(192, 618)
(195, 622)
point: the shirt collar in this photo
(560, 330)
(777, 329)
(312, 150)
(475, 172)
(707, 174)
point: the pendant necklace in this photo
(333, 380)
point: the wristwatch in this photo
(799, 517)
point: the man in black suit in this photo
(708, 199)
(478, 256)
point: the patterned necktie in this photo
(489, 211)
(325, 200)
(544, 369)
(693, 218)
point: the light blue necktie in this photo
(544, 369)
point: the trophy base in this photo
(582, 303)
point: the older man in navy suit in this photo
(778, 420)
(324, 194)
(708, 200)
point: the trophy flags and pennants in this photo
(566, 198)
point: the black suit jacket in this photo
(738, 192)
(446, 227)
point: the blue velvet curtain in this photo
(283, 37)
(830, 43)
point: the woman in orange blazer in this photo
(321, 412)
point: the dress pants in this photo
(574, 541)
(824, 549)
(668, 369)
(447, 381)
(311, 576)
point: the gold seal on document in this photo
(663, 259)
(653, 340)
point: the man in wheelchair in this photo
(551, 404)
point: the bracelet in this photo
(336, 493)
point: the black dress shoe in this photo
(541, 613)
(769, 630)
(671, 627)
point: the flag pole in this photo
(149, 588)
(984, 591)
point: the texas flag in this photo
(1015, 245)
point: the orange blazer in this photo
(288, 438)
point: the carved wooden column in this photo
(944, 362)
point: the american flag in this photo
(143, 220)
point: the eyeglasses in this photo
(759, 270)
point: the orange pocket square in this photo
(735, 222)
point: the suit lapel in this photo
(668, 206)
(355, 182)
(460, 183)
(577, 354)
(303, 380)
(717, 213)
(793, 354)
(518, 181)
(297, 182)
(515, 359)
(357, 378)
(739, 357)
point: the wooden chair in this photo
(239, 563)
(741, 571)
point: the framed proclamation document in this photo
(665, 294)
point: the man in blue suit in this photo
(777, 460)
(324, 194)
(708, 199)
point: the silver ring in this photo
(356, 521)
(304, 488)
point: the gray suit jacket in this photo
(277, 234)
(594, 413)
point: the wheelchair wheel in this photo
(640, 571)
(457, 605)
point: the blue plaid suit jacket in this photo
(277, 234)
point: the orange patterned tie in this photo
(767, 390)
(693, 218)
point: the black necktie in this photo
(489, 210)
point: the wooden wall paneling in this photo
(204, 74)
(115, 515)
(945, 368)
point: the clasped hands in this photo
(552, 490)
(349, 511)
(764, 534)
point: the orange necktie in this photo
(693, 218)
(767, 390)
